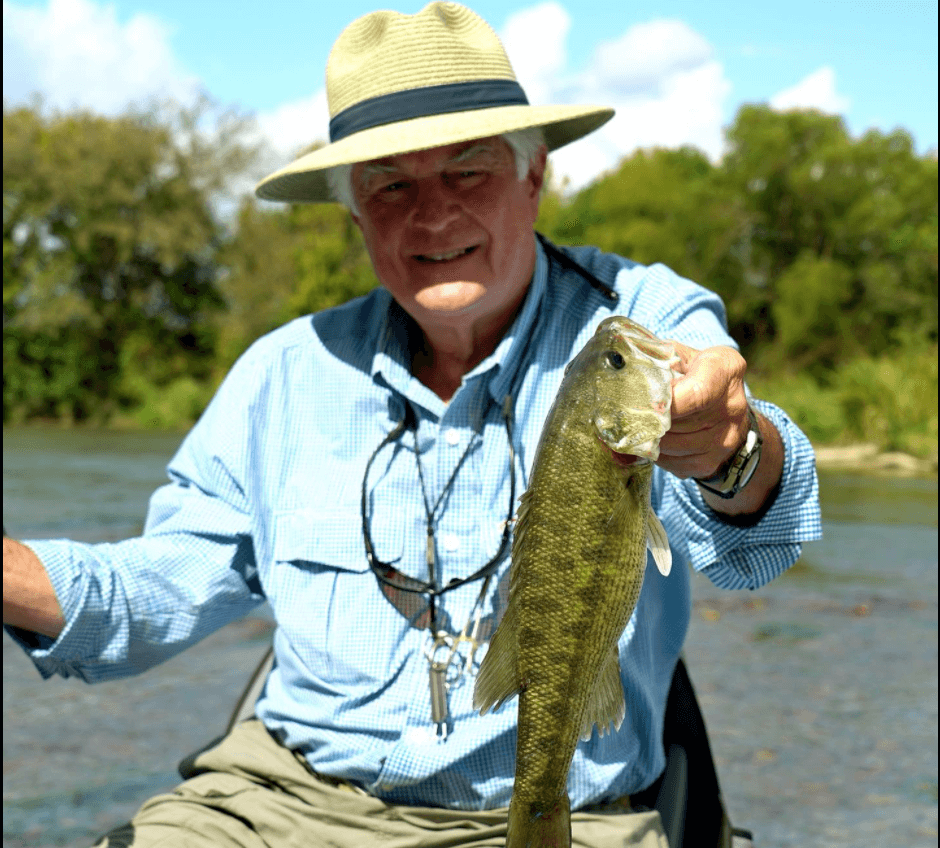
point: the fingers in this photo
(708, 377)
(698, 454)
(709, 411)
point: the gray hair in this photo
(525, 145)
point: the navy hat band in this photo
(421, 102)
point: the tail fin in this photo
(548, 829)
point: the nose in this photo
(435, 208)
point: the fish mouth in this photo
(445, 256)
(641, 454)
(642, 343)
(628, 459)
(644, 450)
(626, 445)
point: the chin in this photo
(450, 298)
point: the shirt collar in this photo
(512, 350)
(392, 359)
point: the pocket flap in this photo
(332, 538)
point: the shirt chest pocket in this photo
(322, 591)
(319, 540)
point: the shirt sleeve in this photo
(733, 557)
(748, 557)
(133, 604)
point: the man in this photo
(356, 469)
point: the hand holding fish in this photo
(709, 411)
(710, 422)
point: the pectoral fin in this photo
(606, 706)
(658, 544)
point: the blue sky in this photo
(676, 71)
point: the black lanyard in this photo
(385, 573)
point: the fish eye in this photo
(615, 359)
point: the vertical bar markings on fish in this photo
(578, 560)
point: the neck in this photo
(450, 351)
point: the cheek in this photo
(513, 224)
(520, 212)
(380, 236)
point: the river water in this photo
(819, 691)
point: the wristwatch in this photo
(737, 471)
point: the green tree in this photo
(649, 209)
(109, 256)
(865, 209)
(286, 263)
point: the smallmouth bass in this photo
(578, 558)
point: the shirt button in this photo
(452, 436)
(451, 542)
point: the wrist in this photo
(752, 501)
(29, 599)
(739, 469)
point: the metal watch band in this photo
(735, 474)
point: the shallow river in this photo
(820, 690)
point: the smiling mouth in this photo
(445, 257)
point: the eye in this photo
(469, 178)
(615, 359)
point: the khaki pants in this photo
(248, 791)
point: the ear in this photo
(536, 174)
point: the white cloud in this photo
(816, 91)
(535, 43)
(295, 125)
(660, 76)
(76, 53)
(282, 133)
(642, 60)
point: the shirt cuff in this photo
(60, 655)
(736, 557)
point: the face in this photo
(450, 230)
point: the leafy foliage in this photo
(110, 260)
(824, 248)
(285, 264)
(126, 298)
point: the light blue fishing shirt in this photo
(264, 503)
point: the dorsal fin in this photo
(498, 677)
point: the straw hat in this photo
(398, 83)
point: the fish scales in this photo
(578, 559)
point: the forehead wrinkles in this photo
(487, 152)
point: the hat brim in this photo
(304, 180)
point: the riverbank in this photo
(869, 458)
(861, 457)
